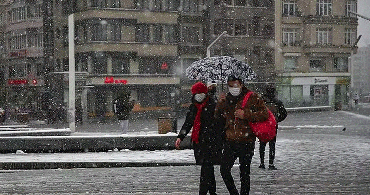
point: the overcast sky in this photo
(364, 25)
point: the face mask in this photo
(234, 91)
(199, 97)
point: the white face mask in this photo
(199, 97)
(234, 91)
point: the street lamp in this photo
(71, 78)
(210, 45)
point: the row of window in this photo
(32, 37)
(323, 36)
(178, 5)
(323, 7)
(248, 3)
(26, 12)
(121, 64)
(340, 64)
(238, 27)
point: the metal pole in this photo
(210, 45)
(359, 15)
(72, 81)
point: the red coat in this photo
(238, 130)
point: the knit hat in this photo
(199, 87)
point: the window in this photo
(115, 31)
(290, 64)
(157, 5)
(157, 33)
(17, 41)
(99, 3)
(267, 30)
(191, 35)
(17, 14)
(350, 36)
(316, 65)
(233, 27)
(290, 36)
(240, 29)
(99, 31)
(170, 34)
(120, 65)
(34, 11)
(142, 4)
(115, 4)
(99, 63)
(351, 6)
(34, 37)
(323, 7)
(341, 64)
(12, 72)
(323, 36)
(2, 19)
(173, 5)
(190, 6)
(142, 33)
(290, 8)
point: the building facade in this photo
(361, 73)
(314, 40)
(22, 54)
(145, 47)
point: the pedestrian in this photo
(280, 113)
(122, 107)
(240, 140)
(212, 90)
(205, 138)
(356, 98)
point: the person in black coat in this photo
(122, 108)
(280, 113)
(206, 139)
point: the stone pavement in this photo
(317, 153)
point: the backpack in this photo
(277, 108)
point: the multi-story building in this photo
(145, 47)
(360, 64)
(22, 52)
(313, 42)
(250, 33)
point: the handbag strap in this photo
(246, 97)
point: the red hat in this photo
(199, 87)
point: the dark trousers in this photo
(271, 151)
(243, 151)
(207, 172)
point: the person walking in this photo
(280, 113)
(122, 108)
(205, 138)
(240, 140)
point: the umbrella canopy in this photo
(219, 68)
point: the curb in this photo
(72, 165)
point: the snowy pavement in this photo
(316, 153)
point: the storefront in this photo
(314, 91)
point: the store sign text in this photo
(110, 80)
(318, 80)
(20, 81)
(20, 53)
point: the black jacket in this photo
(122, 108)
(276, 106)
(210, 139)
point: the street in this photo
(316, 153)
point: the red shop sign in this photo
(17, 81)
(109, 80)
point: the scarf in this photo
(196, 125)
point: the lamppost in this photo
(210, 45)
(71, 78)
